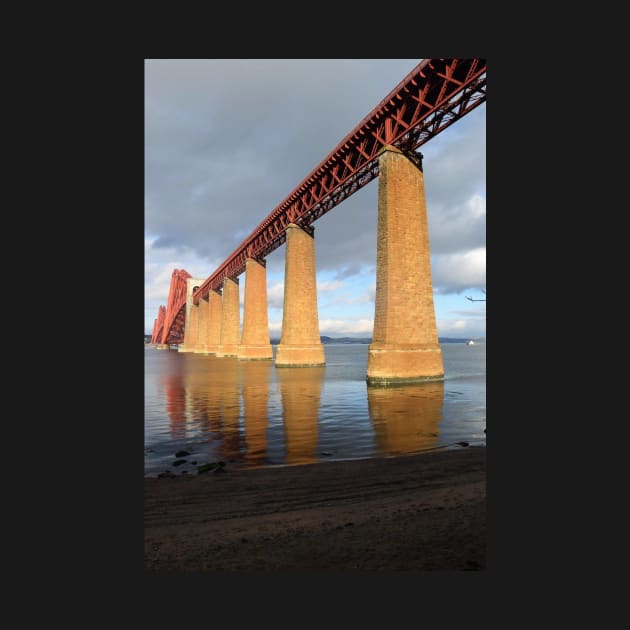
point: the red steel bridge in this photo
(168, 327)
(434, 95)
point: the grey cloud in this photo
(459, 272)
(227, 141)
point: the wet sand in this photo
(415, 512)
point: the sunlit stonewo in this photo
(255, 342)
(300, 343)
(201, 347)
(215, 308)
(230, 320)
(404, 344)
(192, 315)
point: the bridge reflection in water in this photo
(175, 393)
(230, 405)
(301, 390)
(255, 379)
(406, 417)
(176, 405)
(226, 409)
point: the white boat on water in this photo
(471, 342)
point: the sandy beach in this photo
(415, 512)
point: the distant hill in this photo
(452, 340)
(345, 339)
(325, 339)
(364, 340)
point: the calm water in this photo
(252, 414)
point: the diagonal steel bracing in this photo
(170, 322)
(434, 95)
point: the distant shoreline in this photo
(367, 340)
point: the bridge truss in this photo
(434, 95)
(171, 320)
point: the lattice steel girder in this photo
(176, 334)
(435, 94)
(175, 304)
(158, 325)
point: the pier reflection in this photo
(406, 417)
(255, 378)
(212, 401)
(176, 405)
(201, 416)
(300, 389)
(258, 415)
(230, 407)
(174, 387)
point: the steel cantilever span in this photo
(171, 320)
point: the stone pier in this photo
(215, 308)
(405, 345)
(255, 342)
(300, 344)
(192, 315)
(230, 320)
(201, 347)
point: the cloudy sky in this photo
(227, 140)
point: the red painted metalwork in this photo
(171, 320)
(158, 325)
(434, 95)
